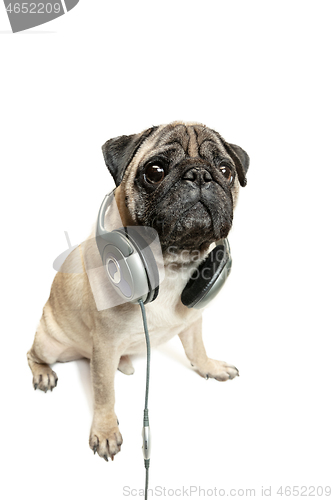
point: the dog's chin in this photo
(192, 231)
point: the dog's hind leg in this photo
(45, 351)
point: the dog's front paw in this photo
(107, 443)
(220, 370)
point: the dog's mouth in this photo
(192, 229)
(188, 218)
(196, 218)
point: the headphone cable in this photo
(146, 429)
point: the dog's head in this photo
(181, 179)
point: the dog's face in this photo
(181, 179)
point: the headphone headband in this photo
(100, 229)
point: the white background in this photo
(261, 74)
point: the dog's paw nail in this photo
(192, 364)
(112, 458)
(117, 422)
(207, 376)
(95, 448)
(45, 390)
(106, 458)
(35, 386)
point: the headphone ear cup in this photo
(143, 249)
(212, 271)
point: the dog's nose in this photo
(197, 175)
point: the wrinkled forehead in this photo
(182, 141)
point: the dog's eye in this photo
(154, 173)
(226, 171)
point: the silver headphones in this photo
(133, 272)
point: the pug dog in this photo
(183, 180)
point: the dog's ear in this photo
(241, 160)
(119, 152)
